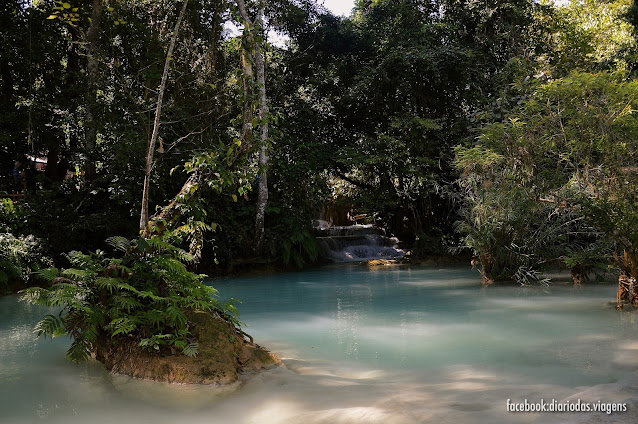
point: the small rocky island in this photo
(223, 354)
(145, 315)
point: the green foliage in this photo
(438, 242)
(365, 110)
(145, 294)
(13, 217)
(71, 216)
(20, 256)
(589, 35)
(301, 248)
(380, 99)
(65, 12)
(557, 181)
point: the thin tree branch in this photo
(156, 124)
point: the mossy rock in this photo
(223, 355)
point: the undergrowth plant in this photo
(146, 294)
(301, 248)
(20, 255)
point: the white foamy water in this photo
(356, 243)
(362, 346)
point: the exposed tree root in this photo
(627, 291)
(579, 274)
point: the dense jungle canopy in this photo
(504, 130)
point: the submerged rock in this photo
(223, 355)
(382, 262)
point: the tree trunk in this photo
(7, 82)
(171, 213)
(262, 198)
(251, 54)
(156, 124)
(247, 60)
(627, 282)
(53, 155)
(251, 45)
(57, 162)
(487, 265)
(92, 39)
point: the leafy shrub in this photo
(146, 294)
(20, 255)
(19, 258)
(435, 243)
(12, 217)
(73, 217)
(301, 248)
(556, 181)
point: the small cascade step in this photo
(348, 230)
(354, 243)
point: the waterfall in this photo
(355, 243)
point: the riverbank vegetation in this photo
(207, 135)
(132, 311)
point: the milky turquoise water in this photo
(393, 345)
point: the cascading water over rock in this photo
(355, 243)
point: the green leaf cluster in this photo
(557, 181)
(145, 294)
(20, 255)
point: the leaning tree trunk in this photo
(156, 124)
(92, 39)
(262, 198)
(171, 213)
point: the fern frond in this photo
(160, 245)
(36, 296)
(185, 256)
(79, 351)
(191, 350)
(172, 266)
(127, 303)
(108, 283)
(81, 260)
(154, 317)
(147, 294)
(48, 274)
(50, 326)
(124, 325)
(176, 316)
(120, 243)
(78, 274)
(62, 298)
(128, 287)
